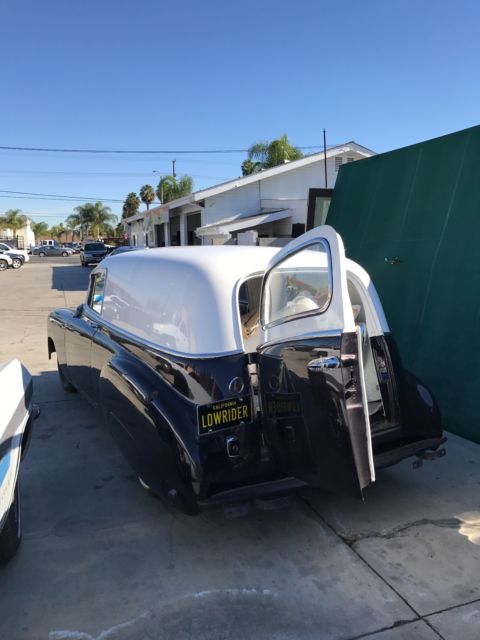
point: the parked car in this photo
(226, 372)
(92, 253)
(71, 245)
(6, 248)
(17, 413)
(124, 249)
(52, 250)
(18, 260)
(5, 261)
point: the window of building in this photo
(350, 159)
(338, 162)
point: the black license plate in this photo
(283, 405)
(227, 413)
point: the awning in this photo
(223, 228)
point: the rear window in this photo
(95, 246)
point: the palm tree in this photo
(131, 205)
(73, 224)
(263, 155)
(39, 229)
(147, 195)
(14, 220)
(57, 231)
(95, 217)
(169, 188)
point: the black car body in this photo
(93, 253)
(228, 372)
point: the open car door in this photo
(310, 369)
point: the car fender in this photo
(132, 392)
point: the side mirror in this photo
(78, 311)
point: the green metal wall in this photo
(422, 205)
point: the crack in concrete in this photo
(444, 523)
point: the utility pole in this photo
(173, 169)
(325, 155)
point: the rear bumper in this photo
(419, 448)
(260, 489)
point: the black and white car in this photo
(5, 262)
(17, 413)
(17, 259)
(230, 372)
(6, 248)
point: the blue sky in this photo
(116, 74)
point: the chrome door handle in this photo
(331, 362)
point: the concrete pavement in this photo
(101, 559)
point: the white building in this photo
(275, 205)
(24, 236)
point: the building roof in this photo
(199, 196)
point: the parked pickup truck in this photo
(227, 372)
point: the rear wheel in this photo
(11, 534)
(16, 263)
(64, 254)
(42, 254)
(3, 265)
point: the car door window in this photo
(95, 299)
(299, 285)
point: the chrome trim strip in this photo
(151, 346)
(331, 333)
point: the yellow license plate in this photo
(227, 413)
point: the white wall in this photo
(237, 202)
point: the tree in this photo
(147, 195)
(39, 229)
(263, 155)
(14, 220)
(57, 231)
(73, 224)
(169, 188)
(95, 217)
(131, 205)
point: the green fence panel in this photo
(412, 218)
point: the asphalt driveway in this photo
(103, 560)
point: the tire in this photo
(84, 264)
(64, 254)
(3, 265)
(67, 386)
(11, 534)
(42, 254)
(16, 263)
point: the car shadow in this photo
(70, 278)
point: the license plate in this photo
(227, 413)
(283, 405)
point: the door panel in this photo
(313, 411)
(311, 377)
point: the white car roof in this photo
(185, 299)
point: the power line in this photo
(101, 173)
(141, 151)
(55, 196)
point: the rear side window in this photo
(299, 285)
(95, 246)
(97, 291)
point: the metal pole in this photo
(325, 156)
(173, 169)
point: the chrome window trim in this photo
(156, 348)
(305, 314)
